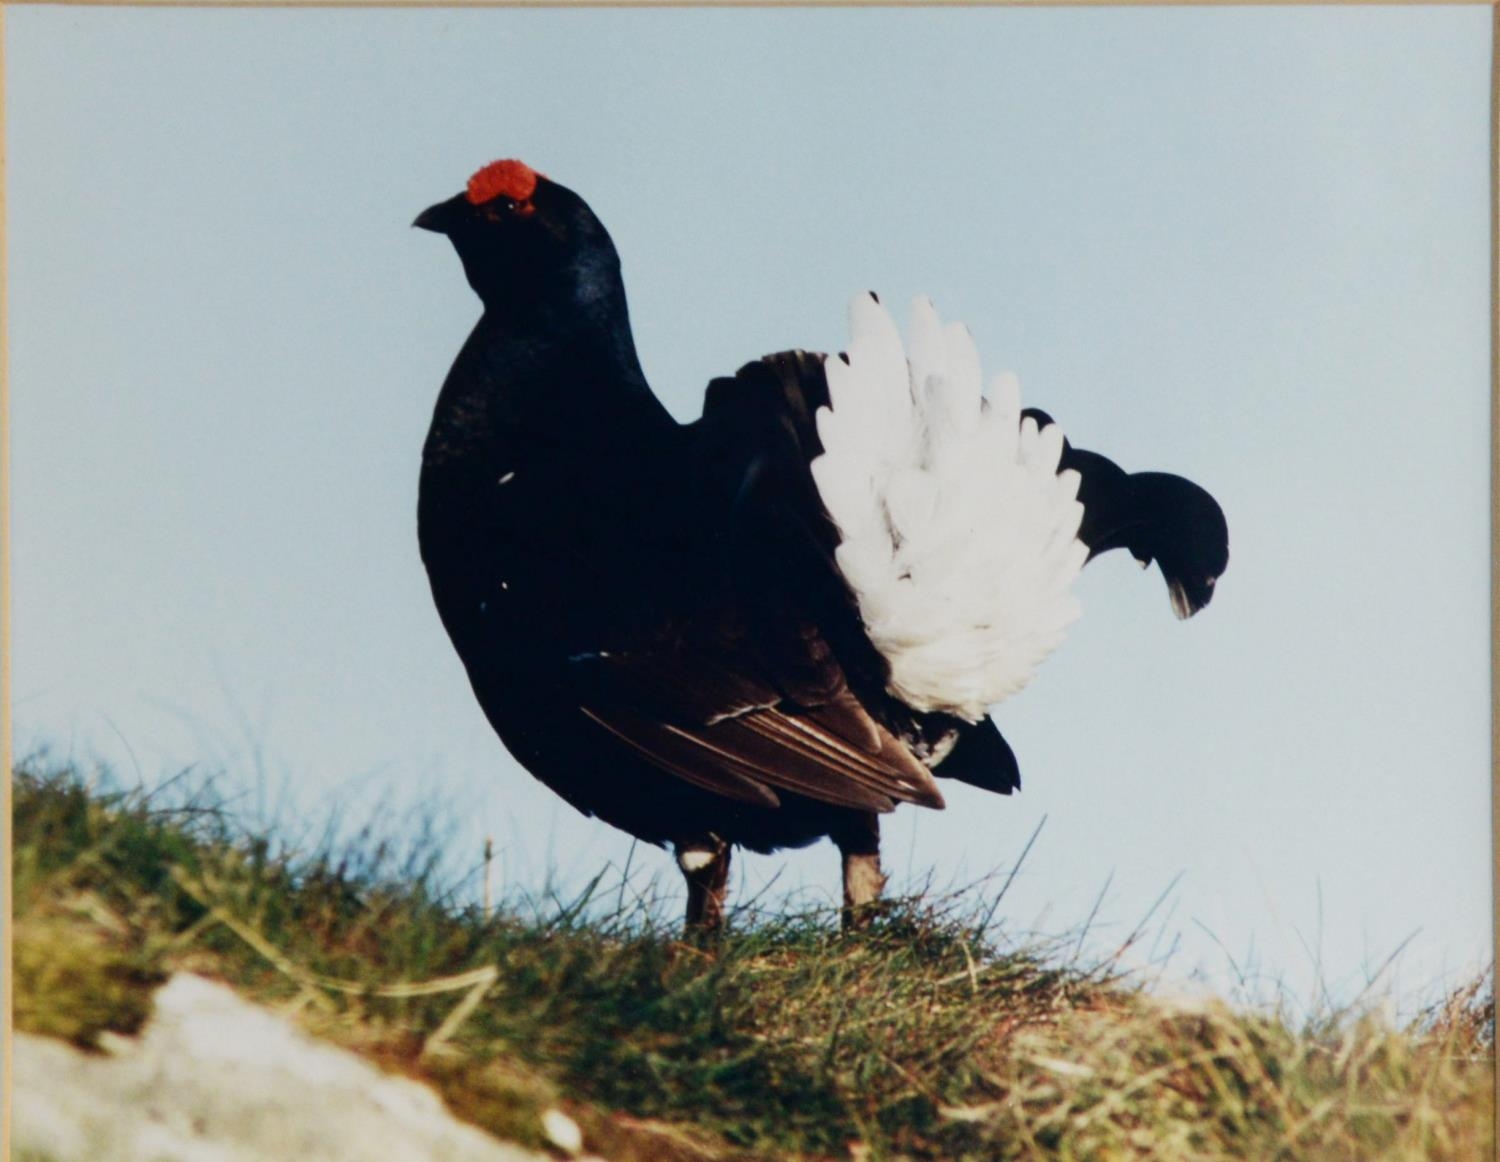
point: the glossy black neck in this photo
(545, 371)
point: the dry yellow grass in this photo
(921, 1038)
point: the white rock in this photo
(563, 1132)
(214, 1078)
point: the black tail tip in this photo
(1187, 534)
(982, 758)
(1188, 598)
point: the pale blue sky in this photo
(1246, 245)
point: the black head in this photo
(526, 242)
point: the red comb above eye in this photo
(502, 179)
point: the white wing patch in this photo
(958, 534)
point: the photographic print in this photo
(750, 583)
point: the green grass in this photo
(920, 1038)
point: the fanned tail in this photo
(958, 532)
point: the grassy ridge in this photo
(917, 1039)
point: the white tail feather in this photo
(958, 534)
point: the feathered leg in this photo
(705, 867)
(859, 843)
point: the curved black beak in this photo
(441, 218)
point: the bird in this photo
(777, 622)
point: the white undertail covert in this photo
(958, 534)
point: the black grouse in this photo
(778, 621)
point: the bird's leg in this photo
(859, 843)
(705, 865)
